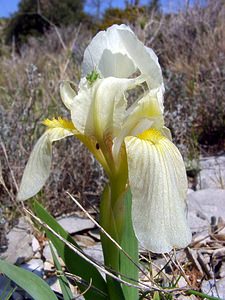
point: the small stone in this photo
(84, 240)
(214, 288)
(95, 234)
(35, 245)
(48, 267)
(204, 204)
(19, 244)
(95, 252)
(182, 283)
(222, 270)
(53, 282)
(189, 297)
(37, 255)
(212, 174)
(34, 266)
(47, 253)
(189, 191)
(75, 224)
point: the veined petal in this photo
(115, 65)
(158, 184)
(144, 114)
(67, 94)
(117, 52)
(38, 166)
(98, 110)
(107, 53)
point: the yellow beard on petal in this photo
(151, 135)
(59, 122)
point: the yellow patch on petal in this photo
(158, 184)
(151, 135)
(59, 123)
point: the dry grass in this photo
(191, 48)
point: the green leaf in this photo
(64, 284)
(30, 282)
(202, 295)
(130, 246)
(75, 263)
(110, 250)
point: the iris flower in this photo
(131, 143)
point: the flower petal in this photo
(158, 184)
(106, 49)
(98, 110)
(143, 114)
(38, 166)
(67, 94)
(117, 52)
(115, 65)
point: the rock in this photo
(19, 243)
(189, 297)
(47, 253)
(182, 283)
(189, 191)
(203, 205)
(35, 245)
(212, 174)
(95, 252)
(34, 266)
(53, 282)
(75, 224)
(84, 240)
(49, 267)
(214, 288)
(95, 234)
(222, 270)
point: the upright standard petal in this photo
(158, 184)
(117, 52)
(38, 166)
(107, 53)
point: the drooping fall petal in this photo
(158, 184)
(39, 164)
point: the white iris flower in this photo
(130, 143)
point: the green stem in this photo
(110, 251)
(204, 296)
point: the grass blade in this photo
(64, 284)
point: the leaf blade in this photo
(75, 264)
(129, 244)
(30, 282)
